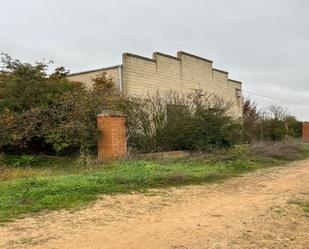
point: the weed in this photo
(285, 150)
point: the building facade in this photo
(138, 75)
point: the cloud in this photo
(263, 43)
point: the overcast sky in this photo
(264, 43)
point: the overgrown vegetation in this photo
(41, 113)
(268, 124)
(49, 184)
(173, 121)
(49, 114)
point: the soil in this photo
(257, 210)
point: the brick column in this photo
(112, 142)
(306, 131)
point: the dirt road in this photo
(254, 211)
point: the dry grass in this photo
(284, 150)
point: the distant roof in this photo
(94, 70)
(195, 56)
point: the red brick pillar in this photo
(306, 131)
(112, 142)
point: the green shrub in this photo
(40, 113)
(270, 124)
(25, 95)
(174, 121)
(24, 160)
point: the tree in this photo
(269, 124)
(251, 121)
(275, 112)
(40, 112)
(59, 73)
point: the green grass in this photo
(11, 169)
(50, 184)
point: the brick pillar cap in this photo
(111, 113)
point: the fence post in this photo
(112, 143)
(305, 131)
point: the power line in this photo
(278, 99)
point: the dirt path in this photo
(254, 211)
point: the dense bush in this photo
(269, 124)
(74, 117)
(41, 113)
(174, 121)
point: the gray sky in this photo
(264, 43)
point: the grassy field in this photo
(31, 184)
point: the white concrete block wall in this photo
(186, 72)
(88, 76)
